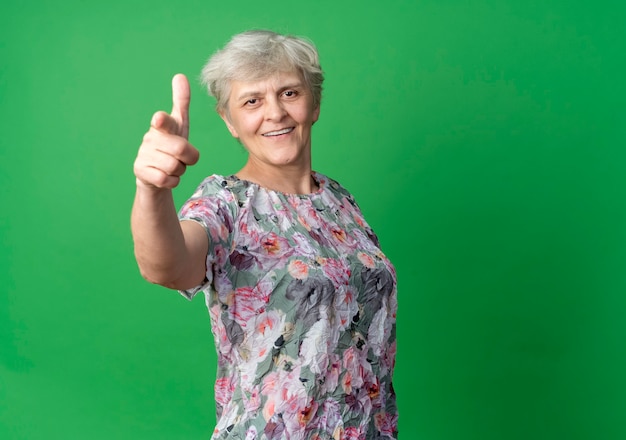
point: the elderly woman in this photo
(301, 299)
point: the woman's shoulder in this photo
(217, 185)
(333, 186)
(215, 194)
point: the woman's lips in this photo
(279, 132)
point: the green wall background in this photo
(485, 142)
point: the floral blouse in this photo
(302, 305)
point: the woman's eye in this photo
(289, 93)
(252, 101)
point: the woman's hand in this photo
(165, 151)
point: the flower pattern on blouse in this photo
(302, 304)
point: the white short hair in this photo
(256, 55)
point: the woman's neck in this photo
(285, 179)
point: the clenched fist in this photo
(165, 151)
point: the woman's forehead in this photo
(258, 76)
(276, 80)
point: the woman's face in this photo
(272, 118)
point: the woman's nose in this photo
(274, 110)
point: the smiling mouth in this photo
(278, 132)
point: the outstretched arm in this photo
(168, 252)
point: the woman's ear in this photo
(316, 114)
(224, 115)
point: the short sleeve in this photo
(214, 207)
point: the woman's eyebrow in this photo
(291, 86)
(252, 92)
(247, 94)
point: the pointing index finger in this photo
(181, 96)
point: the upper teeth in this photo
(277, 132)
